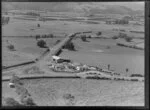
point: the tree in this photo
(37, 37)
(99, 33)
(57, 42)
(41, 44)
(50, 35)
(127, 69)
(128, 39)
(89, 36)
(108, 66)
(32, 14)
(38, 25)
(122, 35)
(115, 37)
(69, 46)
(11, 47)
(83, 38)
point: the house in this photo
(60, 60)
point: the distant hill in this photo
(83, 7)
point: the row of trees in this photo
(44, 36)
(117, 21)
(121, 21)
(124, 36)
(32, 14)
(70, 46)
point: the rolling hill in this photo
(82, 7)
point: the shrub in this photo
(11, 102)
(43, 36)
(89, 36)
(57, 42)
(134, 79)
(99, 33)
(50, 36)
(37, 37)
(128, 39)
(11, 47)
(83, 38)
(122, 35)
(38, 25)
(32, 14)
(41, 44)
(25, 97)
(3, 67)
(115, 37)
(69, 46)
(136, 75)
(33, 70)
(28, 101)
(108, 47)
(70, 99)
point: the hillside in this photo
(83, 7)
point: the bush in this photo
(50, 36)
(89, 36)
(44, 36)
(69, 46)
(122, 35)
(11, 47)
(37, 37)
(128, 39)
(99, 33)
(70, 99)
(41, 44)
(25, 96)
(33, 70)
(3, 67)
(10, 102)
(28, 101)
(136, 75)
(115, 37)
(32, 14)
(38, 25)
(57, 42)
(83, 38)
(107, 47)
(134, 79)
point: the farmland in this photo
(97, 51)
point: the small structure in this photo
(15, 80)
(60, 60)
(55, 58)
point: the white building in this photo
(55, 58)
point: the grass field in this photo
(49, 92)
(96, 52)
(27, 27)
